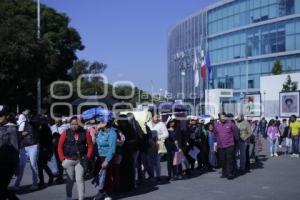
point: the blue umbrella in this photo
(100, 114)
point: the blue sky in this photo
(130, 36)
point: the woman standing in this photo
(173, 147)
(106, 141)
(273, 135)
(74, 143)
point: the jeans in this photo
(31, 152)
(242, 151)
(273, 145)
(157, 168)
(74, 172)
(295, 145)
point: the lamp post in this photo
(182, 67)
(265, 102)
(38, 84)
(241, 100)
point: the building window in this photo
(250, 84)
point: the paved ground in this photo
(274, 179)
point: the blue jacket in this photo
(106, 142)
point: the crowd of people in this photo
(117, 152)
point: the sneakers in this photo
(99, 196)
(15, 188)
(272, 155)
(275, 154)
(107, 198)
(33, 187)
(295, 155)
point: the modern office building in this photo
(244, 38)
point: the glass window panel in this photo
(297, 6)
(297, 29)
(236, 20)
(264, 3)
(256, 14)
(297, 41)
(243, 82)
(243, 69)
(257, 3)
(297, 63)
(290, 64)
(290, 43)
(237, 51)
(228, 10)
(265, 12)
(236, 8)
(230, 53)
(273, 10)
(225, 23)
(290, 28)
(237, 83)
(230, 22)
(220, 26)
(243, 6)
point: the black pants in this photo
(60, 169)
(43, 165)
(172, 170)
(226, 157)
(247, 166)
(6, 173)
(127, 172)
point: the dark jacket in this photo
(9, 148)
(70, 147)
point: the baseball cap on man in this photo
(4, 110)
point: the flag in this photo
(196, 71)
(203, 70)
(207, 62)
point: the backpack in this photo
(29, 136)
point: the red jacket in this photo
(61, 142)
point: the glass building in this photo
(244, 38)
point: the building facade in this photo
(243, 37)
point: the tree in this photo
(23, 57)
(97, 67)
(289, 85)
(277, 67)
(79, 67)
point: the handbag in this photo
(178, 158)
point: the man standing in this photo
(263, 126)
(245, 133)
(295, 131)
(9, 153)
(160, 132)
(224, 132)
(29, 148)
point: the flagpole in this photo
(206, 42)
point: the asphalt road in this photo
(274, 179)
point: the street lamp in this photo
(265, 103)
(39, 93)
(182, 67)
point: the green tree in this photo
(289, 85)
(79, 67)
(23, 58)
(277, 67)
